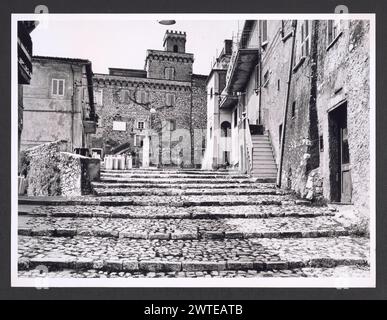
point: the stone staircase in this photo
(263, 162)
(184, 223)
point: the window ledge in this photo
(299, 64)
(334, 40)
(286, 37)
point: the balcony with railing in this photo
(243, 60)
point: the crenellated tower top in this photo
(175, 41)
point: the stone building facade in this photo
(305, 85)
(59, 103)
(160, 109)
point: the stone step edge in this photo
(101, 192)
(111, 203)
(181, 235)
(250, 180)
(184, 215)
(170, 266)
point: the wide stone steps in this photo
(182, 229)
(170, 176)
(175, 181)
(170, 201)
(165, 212)
(143, 222)
(201, 186)
(144, 255)
(112, 191)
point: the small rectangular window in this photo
(293, 109)
(140, 125)
(333, 30)
(57, 87)
(169, 73)
(172, 125)
(257, 75)
(321, 139)
(235, 117)
(170, 99)
(264, 31)
(305, 39)
(278, 85)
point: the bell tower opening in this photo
(174, 41)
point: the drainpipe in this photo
(72, 109)
(259, 76)
(279, 174)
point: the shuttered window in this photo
(264, 31)
(170, 99)
(333, 30)
(58, 87)
(142, 96)
(169, 73)
(305, 39)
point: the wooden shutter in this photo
(60, 87)
(54, 86)
(330, 37)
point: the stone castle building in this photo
(297, 96)
(160, 109)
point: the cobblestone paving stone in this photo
(203, 186)
(262, 211)
(174, 200)
(193, 192)
(182, 228)
(238, 250)
(186, 224)
(336, 272)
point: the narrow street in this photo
(185, 223)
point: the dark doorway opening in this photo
(339, 158)
(225, 129)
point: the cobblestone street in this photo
(152, 223)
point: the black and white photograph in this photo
(193, 150)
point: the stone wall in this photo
(119, 103)
(52, 172)
(344, 76)
(157, 61)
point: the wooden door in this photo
(346, 181)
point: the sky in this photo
(123, 43)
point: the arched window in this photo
(225, 129)
(169, 73)
(175, 48)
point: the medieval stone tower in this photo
(168, 87)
